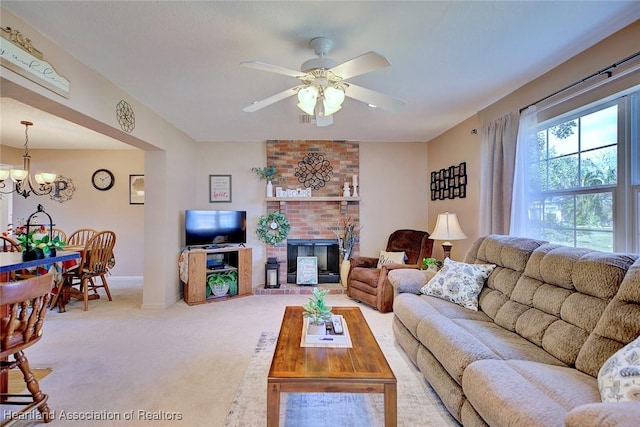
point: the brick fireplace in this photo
(320, 216)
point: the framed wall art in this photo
(449, 183)
(219, 188)
(136, 189)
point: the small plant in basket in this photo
(317, 310)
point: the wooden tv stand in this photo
(234, 258)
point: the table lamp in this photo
(447, 229)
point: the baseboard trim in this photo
(123, 278)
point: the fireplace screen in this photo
(327, 252)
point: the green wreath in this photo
(273, 228)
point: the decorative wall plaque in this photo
(314, 171)
(449, 183)
(18, 55)
(63, 189)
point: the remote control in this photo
(337, 325)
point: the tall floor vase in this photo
(344, 271)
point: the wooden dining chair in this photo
(58, 232)
(97, 258)
(26, 302)
(7, 244)
(81, 236)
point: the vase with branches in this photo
(267, 173)
(347, 234)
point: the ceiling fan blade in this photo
(362, 64)
(378, 99)
(272, 68)
(270, 100)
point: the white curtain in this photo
(498, 152)
(525, 180)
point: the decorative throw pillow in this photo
(619, 376)
(390, 258)
(459, 283)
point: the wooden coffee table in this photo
(360, 369)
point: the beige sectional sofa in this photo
(548, 317)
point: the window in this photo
(582, 177)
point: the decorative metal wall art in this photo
(449, 183)
(314, 171)
(62, 190)
(125, 115)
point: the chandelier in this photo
(23, 184)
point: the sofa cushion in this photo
(619, 377)
(619, 323)
(410, 309)
(391, 258)
(459, 283)
(619, 414)
(527, 393)
(456, 343)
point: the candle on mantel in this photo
(355, 180)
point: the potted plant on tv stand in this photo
(317, 312)
(223, 282)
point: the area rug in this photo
(418, 405)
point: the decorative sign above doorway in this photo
(18, 55)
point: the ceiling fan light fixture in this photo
(333, 98)
(307, 98)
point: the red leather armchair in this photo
(370, 285)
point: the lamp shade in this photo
(19, 174)
(447, 228)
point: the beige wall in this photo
(88, 207)
(392, 188)
(458, 144)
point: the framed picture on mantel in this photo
(219, 188)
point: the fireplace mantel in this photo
(344, 201)
(313, 199)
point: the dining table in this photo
(12, 261)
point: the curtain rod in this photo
(607, 70)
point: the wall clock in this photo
(102, 179)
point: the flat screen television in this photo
(215, 228)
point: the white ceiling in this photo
(449, 59)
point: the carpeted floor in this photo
(417, 405)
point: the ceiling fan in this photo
(323, 84)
